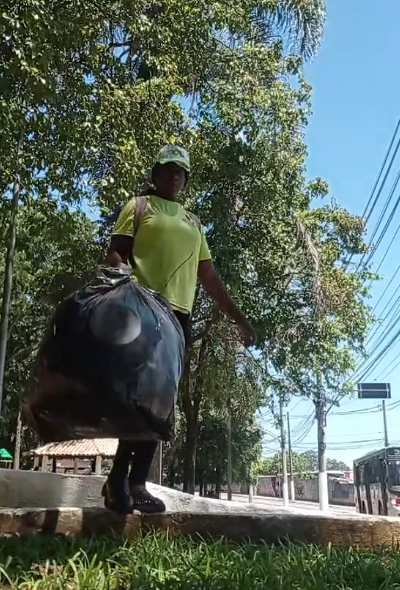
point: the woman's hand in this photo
(119, 251)
(216, 290)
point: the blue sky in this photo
(356, 88)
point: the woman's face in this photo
(169, 179)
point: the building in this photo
(74, 456)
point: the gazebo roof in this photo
(5, 455)
(105, 447)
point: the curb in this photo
(336, 530)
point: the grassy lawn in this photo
(157, 562)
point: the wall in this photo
(307, 489)
(35, 490)
(342, 493)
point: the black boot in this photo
(145, 502)
(117, 497)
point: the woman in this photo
(170, 253)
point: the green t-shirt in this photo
(167, 249)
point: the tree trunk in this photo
(201, 484)
(191, 411)
(189, 466)
(284, 485)
(191, 407)
(8, 276)
(155, 474)
(17, 450)
(218, 485)
(171, 475)
(229, 449)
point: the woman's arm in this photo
(119, 250)
(215, 289)
(121, 244)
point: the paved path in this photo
(270, 502)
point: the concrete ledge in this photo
(365, 532)
(73, 506)
(34, 489)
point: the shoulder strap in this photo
(195, 220)
(141, 204)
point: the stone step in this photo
(279, 526)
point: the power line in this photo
(386, 289)
(368, 215)
(383, 319)
(351, 434)
(345, 446)
(392, 316)
(384, 329)
(371, 254)
(391, 371)
(383, 374)
(368, 255)
(388, 248)
(368, 211)
(374, 410)
(376, 360)
(306, 430)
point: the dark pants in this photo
(139, 454)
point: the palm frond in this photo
(300, 23)
(306, 243)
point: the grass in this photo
(162, 563)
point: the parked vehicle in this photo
(377, 482)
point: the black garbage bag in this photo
(109, 365)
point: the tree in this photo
(311, 457)
(254, 199)
(45, 102)
(303, 463)
(331, 338)
(212, 459)
(335, 465)
(302, 23)
(333, 334)
(94, 92)
(221, 385)
(248, 191)
(56, 253)
(273, 465)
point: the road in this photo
(278, 503)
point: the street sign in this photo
(374, 391)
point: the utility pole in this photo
(320, 408)
(251, 492)
(291, 479)
(385, 427)
(285, 490)
(251, 478)
(229, 450)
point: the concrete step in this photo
(273, 527)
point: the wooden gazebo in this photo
(77, 456)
